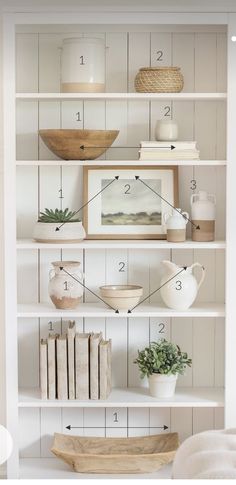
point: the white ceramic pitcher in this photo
(180, 291)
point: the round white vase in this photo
(70, 232)
(162, 385)
(166, 130)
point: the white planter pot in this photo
(70, 232)
(161, 385)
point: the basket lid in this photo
(166, 68)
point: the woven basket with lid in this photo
(159, 80)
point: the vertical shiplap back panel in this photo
(116, 62)
(138, 55)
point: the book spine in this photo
(94, 366)
(105, 369)
(52, 367)
(62, 384)
(71, 359)
(82, 366)
(43, 369)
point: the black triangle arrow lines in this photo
(153, 292)
(88, 202)
(164, 427)
(83, 147)
(137, 177)
(84, 286)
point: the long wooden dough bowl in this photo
(116, 455)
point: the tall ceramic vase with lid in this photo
(64, 288)
(83, 65)
(203, 212)
(176, 225)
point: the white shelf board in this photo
(121, 244)
(53, 468)
(132, 397)
(118, 96)
(108, 163)
(87, 310)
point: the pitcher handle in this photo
(195, 265)
(166, 216)
(51, 274)
(192, 197)
(185, 216)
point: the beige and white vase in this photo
(65, 285)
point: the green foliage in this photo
(57, 215)
(162, 357)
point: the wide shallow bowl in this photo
(70, 232)
(78, 144)
(121, 297)
(116, 455)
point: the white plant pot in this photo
(70, 232)
(161, 385)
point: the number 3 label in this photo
(178, 285)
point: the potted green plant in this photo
(162, 362)
(58, 226)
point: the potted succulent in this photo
(162, 362)
(57, 226)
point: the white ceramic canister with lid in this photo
(83, 65)
(203, 214)
(176, 225)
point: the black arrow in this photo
(83, 147)
(120, 427)
(97, 296)
(94, 197)
(167, 202)
(177, 274)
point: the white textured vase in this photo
(161, 385)
(69, 232)
(65, 288)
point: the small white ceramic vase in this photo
(64, 287)
(70, 232)
(176, 225)
(161, 385)
(180, 292)
(166, 130)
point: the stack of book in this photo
(163, 150)
(75, 366)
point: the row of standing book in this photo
(164, 150)
(75, 366)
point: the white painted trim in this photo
(124, 96)
(9, 242)
(117, 17)
(230, 338)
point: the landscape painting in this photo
(131, 203)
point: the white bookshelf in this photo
(200, 401)
(99, 310)
(136, 163)
(122, 96)
(132, 397)
(121, 244)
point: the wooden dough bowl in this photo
(66, 144)
(116, 455)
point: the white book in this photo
(95, 339)
(179, 145)
(105, 371)
(71, 359)
(82, 366)
(43, 369)
(160, 155)
(62, 382)
(52, 366)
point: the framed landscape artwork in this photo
(128, 202)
